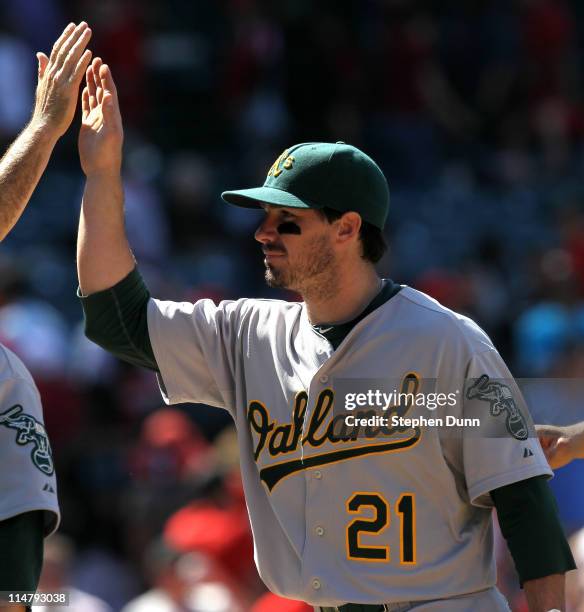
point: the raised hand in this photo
(59, 77)
(101, 135)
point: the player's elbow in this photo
(97, 333)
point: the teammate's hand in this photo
(561, 445)
(102, 134)
(59, 78)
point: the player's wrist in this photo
(100, 174)
(42, 131)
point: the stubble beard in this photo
(315, 273)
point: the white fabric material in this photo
(263, 362)
(28, 477)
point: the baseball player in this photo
(28, 490)
(386, 518)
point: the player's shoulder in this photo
(279, 307)
(242, 310)
(12, 367)
(268, 304)
(431, 315)
(265, 310)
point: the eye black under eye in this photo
(288, 227)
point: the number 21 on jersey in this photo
(360, 504)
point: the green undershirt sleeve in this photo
(117, 320)
(529, 521)
(21, 559)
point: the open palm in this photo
(101, 135)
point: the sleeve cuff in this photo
(131, 283)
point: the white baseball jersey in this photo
(402, 517)
(28, 475)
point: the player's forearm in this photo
(20, 170)
(103, 253)
(545, 593)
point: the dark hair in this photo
(372, 239)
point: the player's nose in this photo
(266, 232)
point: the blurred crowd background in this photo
(473, 108)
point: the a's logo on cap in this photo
(286, 161)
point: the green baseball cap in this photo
(319, 175)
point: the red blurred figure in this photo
(223, 534)
(170, 448)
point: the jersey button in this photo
(319, 531)
(318, 474)
(323, 379)
(316, 584)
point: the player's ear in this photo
(348, 226)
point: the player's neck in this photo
(351, 296)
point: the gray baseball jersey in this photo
(403, 517)
(28, 475)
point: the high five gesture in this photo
(103, 253)
(59, 77)
(101, 135)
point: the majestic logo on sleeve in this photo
(30, 431)
(277, 439)
(501, 400)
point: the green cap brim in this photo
(253, 198)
